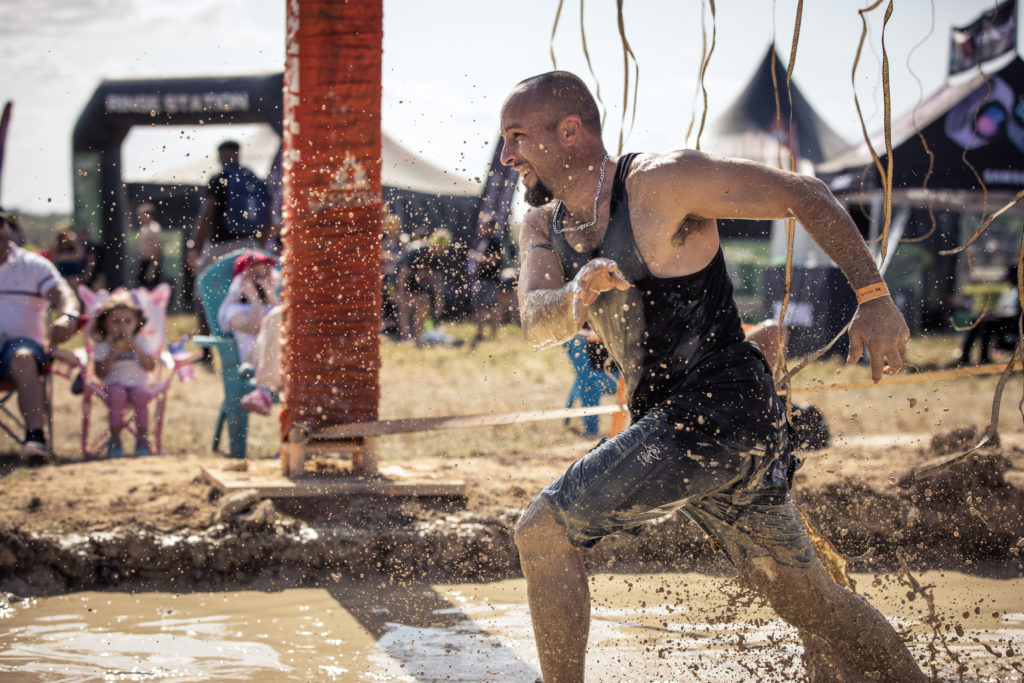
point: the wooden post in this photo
(331, 264)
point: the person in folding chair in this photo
(253, 298)
(123, 361)
(124, 364)
(29, 286)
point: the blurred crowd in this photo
(428, 280)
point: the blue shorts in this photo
(11, 346)
(727, 467)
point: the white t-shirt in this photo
(1008, 304)
(232, 305)
(25, 280)
(126, 370)
(150, 245)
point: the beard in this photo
(538, 195)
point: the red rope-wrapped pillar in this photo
(331, 265)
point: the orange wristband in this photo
(875, 291)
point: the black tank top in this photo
(665, 334)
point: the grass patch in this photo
(506, 375)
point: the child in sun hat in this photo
(123, 361)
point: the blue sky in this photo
(447, 67)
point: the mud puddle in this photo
(678, 627)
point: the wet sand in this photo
(650, 627)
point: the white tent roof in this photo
(147, 158)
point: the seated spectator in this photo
(252, 294)
(266, 357)
(69, 255)
(151, 247)
(29, 286)
(123, 361)
(1002, 328)
(421, 284)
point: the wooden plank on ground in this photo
(272, 484)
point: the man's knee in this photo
(24, 367)
(537, 531)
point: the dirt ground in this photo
(157, 522)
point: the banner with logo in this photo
(994, 33)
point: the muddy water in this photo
(662, 627)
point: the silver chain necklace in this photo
(584, 226)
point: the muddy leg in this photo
(857, 638)
(559, 596)
(823, 665)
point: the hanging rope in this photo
(700, 70)
(887, 127)
(984, 226)
(920, 135)
(706, 59)
(446, 422)
(885, 173)
(627, 54)
(990, 430)
(554, 29)
(790, 222)
(590, 68)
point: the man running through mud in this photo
(630, 245)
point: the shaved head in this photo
(561, 94)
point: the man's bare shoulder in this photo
(536, 221)
(653, 166)
(658, 177)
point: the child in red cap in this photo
(253, 292)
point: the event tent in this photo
(423, 195)
(974, 126)
(760, 125)
(752, 127)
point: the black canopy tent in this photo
(977, 122)
(752, 128)
(423, 196)
(974, 127)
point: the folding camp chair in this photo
(11, 420)
(59, 363)
(154, 306)
(238, 380)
